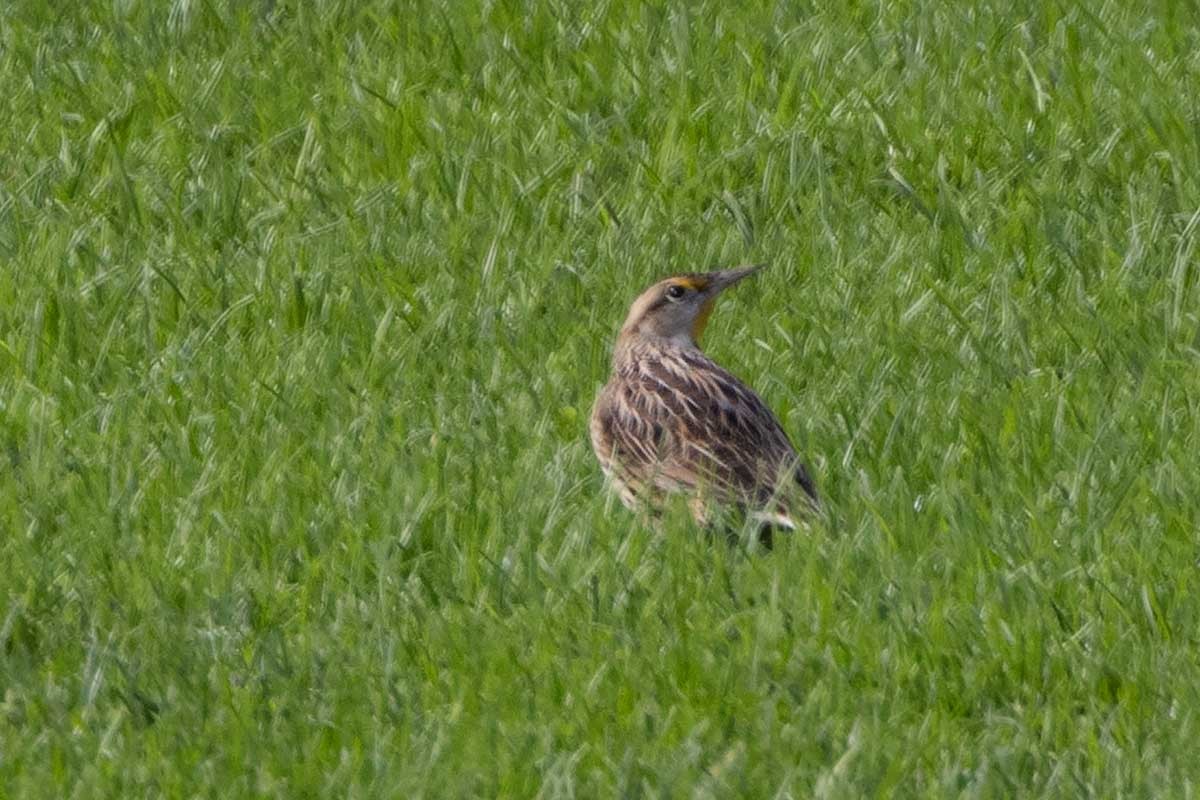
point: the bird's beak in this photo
(725, 278)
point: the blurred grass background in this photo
(303, 307)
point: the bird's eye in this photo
(676, 292)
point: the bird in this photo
(671, 421)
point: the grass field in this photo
(303, 306)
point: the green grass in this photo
(303, 306)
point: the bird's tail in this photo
(776, 519)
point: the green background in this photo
(303, 306)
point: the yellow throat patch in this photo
(701, 320)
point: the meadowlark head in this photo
(678, 308)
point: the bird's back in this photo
(672, 420)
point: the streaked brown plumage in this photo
(670, 420)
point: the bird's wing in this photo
(718, 431)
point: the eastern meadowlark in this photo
(670, 420)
